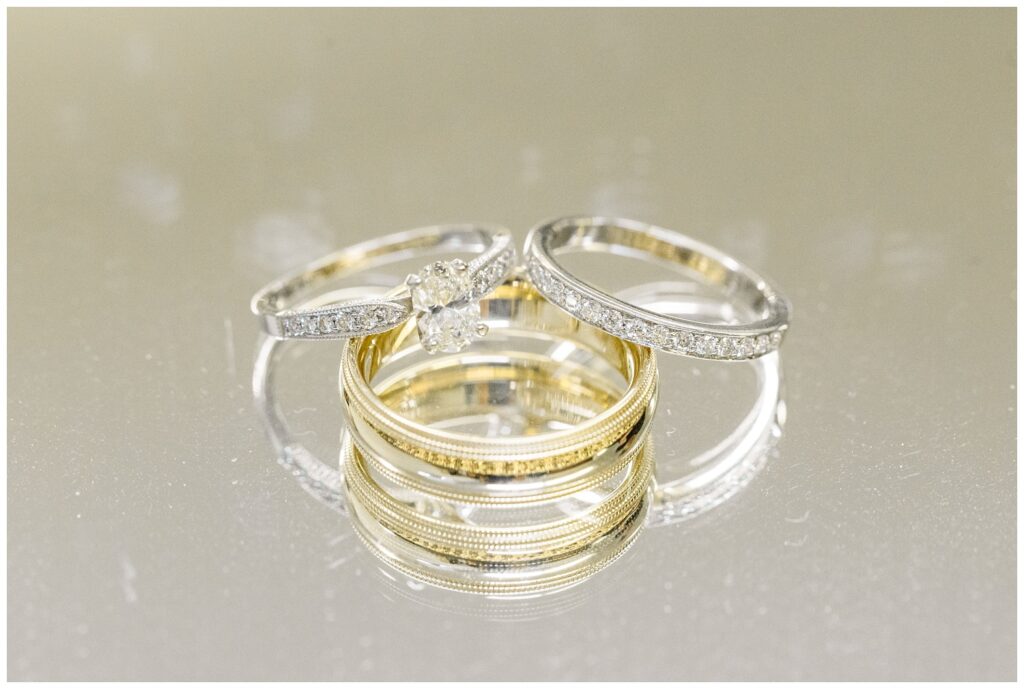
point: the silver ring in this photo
(751, 293)
(443, 295)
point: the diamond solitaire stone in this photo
(448, 318)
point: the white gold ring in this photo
(751, 293)
(443, 295)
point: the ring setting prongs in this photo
(447, 317)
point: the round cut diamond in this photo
(572, 300)
(451, 328)
(746, 347)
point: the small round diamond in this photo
(572, 300)
(726, 347)
(555, 291)
(658, 336)
(745, 348)
(707, 345)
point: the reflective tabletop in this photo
(165, 522)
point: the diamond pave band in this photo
(761, 334)
(443, 296)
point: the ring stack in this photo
(532, 449)
(521, 462)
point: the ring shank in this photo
(713, 267)
(295, 304)
(281, 293)
(765, 311)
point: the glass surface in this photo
(164, 164)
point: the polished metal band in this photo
(514, 305)
(296, 305)
(752, 294)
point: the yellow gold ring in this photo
(514, 306)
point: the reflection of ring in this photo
(514, 306)
(316, 477)
(756, 336)
(715, 474)
(443, 294)
(503, 543)
(495, 580)
(728, 466)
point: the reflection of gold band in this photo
(496, 580)
(515, 306)
(499, 544)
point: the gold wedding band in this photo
(514, 305)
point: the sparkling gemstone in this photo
(726, 347)
(658, 335)
(572, 300)
(450, 329)
(555, 290)
(745, 348)
(481, 283)
(612, 321)
(761, 344)
(776, 338)
(707, 345)
(440, 284)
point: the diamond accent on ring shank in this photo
(636, 329)
(435, 289)
(346, 321)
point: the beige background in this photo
(163, 164)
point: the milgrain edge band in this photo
(484, 456)
(283, 319)
(499, 544)
(491, 456)
(674, 335)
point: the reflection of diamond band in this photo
(514, 305)
(443, 295)
(760, 334)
